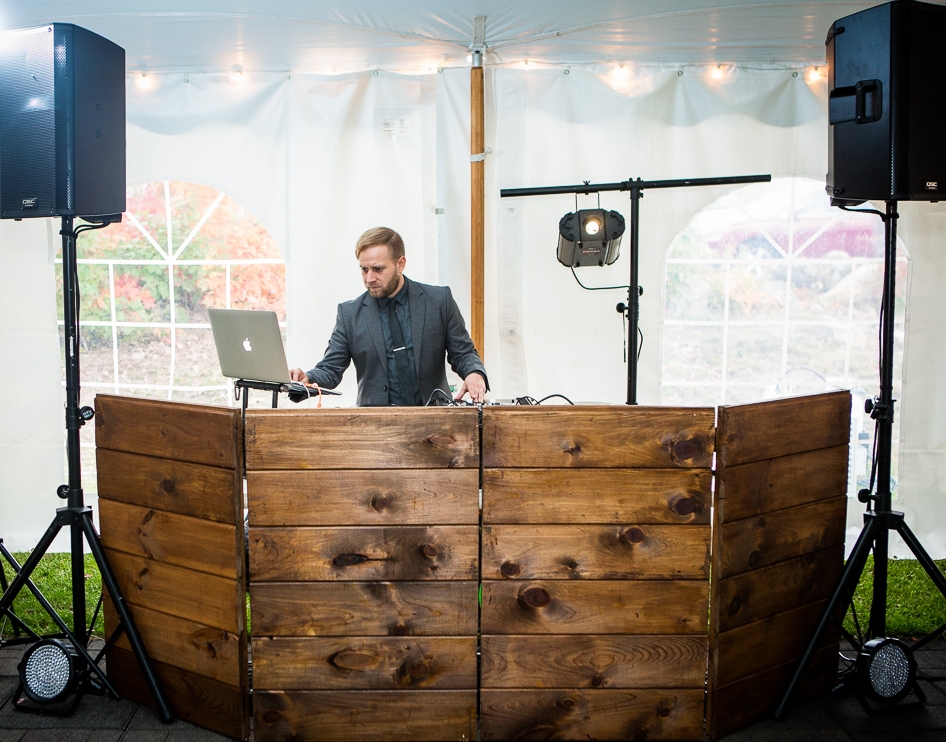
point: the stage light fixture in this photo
(590, 237)
(886, 670)
(48, 671)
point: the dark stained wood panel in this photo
(365, 663)
(606, 437)
(356, 716)
(765, 592)
(193, 698)
(593, 661)
(781, 427)
(216, 654)
(680, 496)
(184, 432)
(650, 714)
(615, 552)
(199, 490)
(364, 608)
(773, 537)
(196, 596)
(363, 438)
(594, 607)
(170, 538)
(343, 497)
(364, 553)
(783, 482)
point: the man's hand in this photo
(475, 386)
(297, 374)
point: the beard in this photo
(385, 290)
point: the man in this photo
(398, 333)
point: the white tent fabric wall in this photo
(319, 158)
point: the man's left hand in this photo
(475, 386)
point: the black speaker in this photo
(62, 123)
(886, 115)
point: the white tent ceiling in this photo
(200, 36)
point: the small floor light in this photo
(590, 237)
(48, 671)
(886, 670)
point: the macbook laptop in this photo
(249, 345)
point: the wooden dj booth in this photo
(515, 572)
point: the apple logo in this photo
(247, 346)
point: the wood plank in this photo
(353, 716)
(775, 484)
(586, 662)
(200, 597)
(202, 491)
(202, 701)
(364, 663)
(168, 537)
(188, 432)
(619, 495)
(597, 437)
(363, 496)
(595, 607)
(364, 608)
(614, 552)
(364, 438)
(754, 698)
(757, 594)
(650, 714)
(774, 537)
(781, 427)
(177, 642)
(772, 641)
(364, 553)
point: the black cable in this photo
(552, 396)
(430, 399)
(595, 288)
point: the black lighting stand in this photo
(77, 517)
(893, 678)
(631, 310)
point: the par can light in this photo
(886, 670)
(48, 671)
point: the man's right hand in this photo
(297, 374)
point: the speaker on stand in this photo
(62, 154)
(884, 145)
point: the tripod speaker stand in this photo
(892, 678)
(77, 517)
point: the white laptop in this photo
(249, 345)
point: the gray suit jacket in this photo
(438, 330)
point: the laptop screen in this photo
(249, 345)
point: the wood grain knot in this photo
(168, 486)
(687, 449)
(664, 712)
(509, 569)
(735, 605)
(755, 558)
(419, 671)
(535, 597)
(348, 659)
(572, 565)
(686, 505)
(430, 551)
(380, 502)
(348, 560)
(568, 703)
(273, 717)
(440, 440)
(574, 450)
(634, 535)
(597, 681)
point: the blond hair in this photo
(381, 236)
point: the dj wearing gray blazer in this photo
(399, 351)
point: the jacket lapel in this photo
(417, 298)
(373, 322)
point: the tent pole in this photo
(477, 200)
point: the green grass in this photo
(53, 577)
(914, 605)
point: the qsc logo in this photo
(932, 185)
